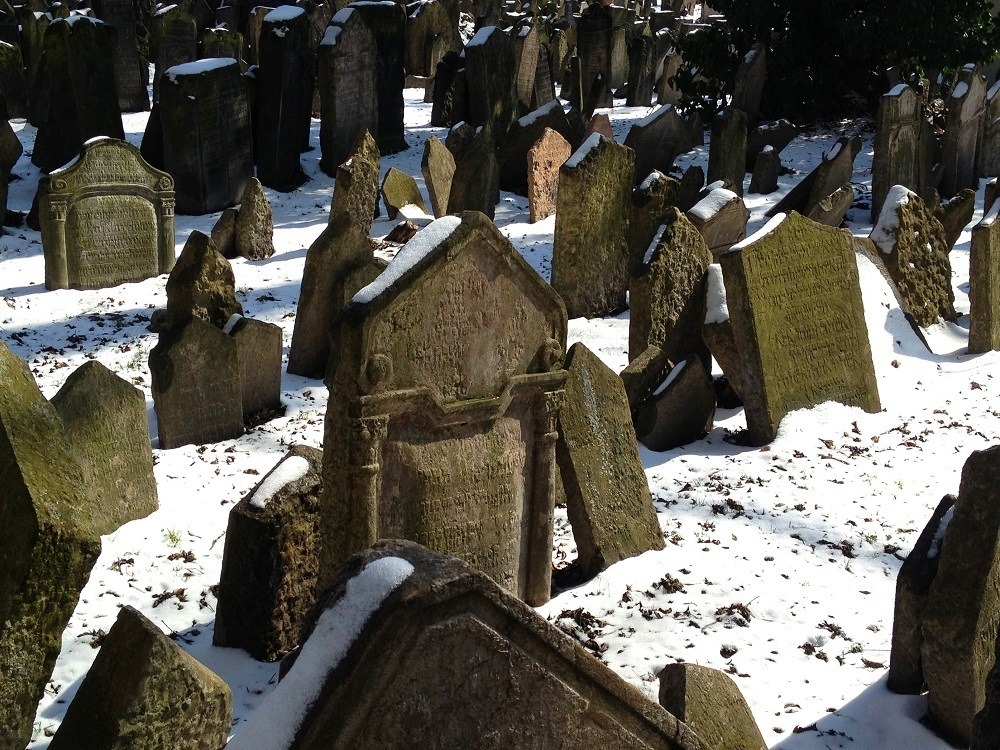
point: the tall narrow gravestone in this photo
(902, 146)
(959, 155)
(984, 284)
(448, 383)
(106, 219)
(489, 71)
(795, 306)
(131, 71)
(387, 22)
(174, 41)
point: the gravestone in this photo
(599, 123)
(832, 209)
(489, 74)
(989, 141)
(766, 168)
(196, 385)
(106, 219)
(33, 26)
(254, 227)
(727, 149)
(443, 425)
(955, 214)
(145, 691)
(224, 233)
(966, 109)
(594, 48)
(832, 173)
(173, 41)
(903, 140)
(721, 217)
(607, 494)
(545, 158)
(348, 90)
(667, 292)
(533, 76)
(680, 408)
(657, 139)
(450, 96)
(438, 168)
(444, 657)
(268, 582)
(50, 545)
(13, 83)
(524, 133)
(400, 189)
(258, 353)
(255, 22)
(986, 730)
(963, 608)
(104, 419)
(202, 284)
(748, 90)
(643, 374)
(387, 22)
(776, 134)
(356, 189)
(590, 249)
(651, 203)
(476, 184)
(221, 42)
(431, 31)
(794, 303)
(205, 119)
(984, 284)
(131, 70)
(10, 146)
(641, 70)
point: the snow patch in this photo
(765, 230)
(960, 90)
(898, 89)
(670, 378)
(290, 470)
(284, 13)
(592, 142)
(231, 323)
(653, 116)
(481, 36)
(647, 257)
(884, 233)
(935, 548)
(198, 67)
(717, 307)
(536, 115)
(712, 203)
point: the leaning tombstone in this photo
(989, 143)
(387, 22)
(643, 374)
(984, 284)
(721, 218)
(607, 495)
(966, 109)
(679, 410)
(268, 582)
(174, 41)
(776, 134)
(727, 150)
(50, 545)
(438, 168)
(410, 358)
(955, 215)
(145, 691)
(657, 139)
(651, 204)
(641, 70)
(254, 228)
(13, 84)
(832, 209)
(400, 189)
(131, 70)
(450, 95)
(545, 158)
(258, 353)
(523, 134)
(802, 345)
(833, 172)
(202, 284)
(356, 189)
(590, 250)
(429, 628)
(476, 184)
(718, 332)
(224, 233)
(107, 218)
(903, 141)
(105, 422)
(748, 90)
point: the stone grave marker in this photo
(607, 494)
(832, 209)
(748, 90)
(13, 83)
(641, 70)
(450, 97)
(984, 284)
(489, 74)
(590, 250)
(10, 146)
(986, 730)
(224, 233)
(766, 168)
(545, 158)
(221, 42)
(438, 167)
(989, 142)
(33, 26)
(131, 70)
(443, 427)
(476, 184)
(202, 284)
(268, 582)
(679, 410)
(776, 134)
(651, 202)
(903, 140)
(431, 31)
(727, 149)
(400, 189)
(106, 219)
(356, 189)
(255, 22)
(955, 214)
(794, 303)
(173, 41)
(966, 109)
(258, 353)
(643, 374)
(721, 217)
(387, 22)
(254, 227)
(523, 134)
(599, 123)
(594, 48)
(657, 139)
(833, 172)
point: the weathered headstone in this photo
(131, 70)
(643, 374)
(438, 167)
(476, 184)
(431, 32)
(802, 342)
(832, 173)
(986, 730)
(831, 210)
(221, 42)
(750, 78)
(984, 284)
(174, 41)
(356, 188)
(989, 140)
(254, 229)
(258, 352)
(599, 123)
(721, 217)
(400, 189)
(955, 214)
(431, 338)
(727, 150)
(13, 84)
(766, 168)
(679, 410)
(268, 581)
(450, 92)
(590, 250)
(387, 22)
(594, 47)
(202, 284)
(776, 134)
(657, 139)
(489, 74)
(651, 203)
(545, 158)
(903, 140)
(966, 109)
(10, 146)
(106, 219)
(224, 233)
(145, 691)
(523, 134)
(641, 70)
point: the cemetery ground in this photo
(780, 562)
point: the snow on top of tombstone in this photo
(524, 31)
(408, 256)
(993, 90)
(537, 114)
(960, 90)
(991, 215)
(332, 33)
(284, 13)
(833, 152)
(67, 166)
(935, 548)
(760, 234)
(717, 306)
(198, 67)
(274, 725)
(652, 178)
(369, 3)
(165, 9)
(751, 55)
(712, 203)
(647, 257)
(653, 116)
(884, 233)
(231, 323)
(481, 36)
(767, 149)
(457, 125)
(411, 212)
(718, 184)
(290, 470)
(76, 17)
(670, 378)
(592, 142)
(898, 89)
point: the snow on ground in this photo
(780, 562)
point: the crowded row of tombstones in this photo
(457, 418)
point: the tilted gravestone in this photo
(903, 141)
(984, 284)
(544, 159)
(145, 691)
(523, 134)
(253, 232)
(131, 70)
(398, 190)
(679, 409)
(105, 422)
(594, 47)
(590, 250)
(721, 217)
(387, 22)
(268, 582)
(196, 385)
(50, 545)
(438, 168)
(831, 174)
(356, 189)
(489, 74)
(607, 494)
(777, 134)
(202, 284)
(989, 141)
(748, 90)
(224, 233)
(450, 94)
(642, 59)
(106, 219)
(727, 150)
(954, 214)
(443, 657)
(348, 59)
(258, 353)
(431, 32)
(963, 605)
(173, 41)
(657, 139)
(966, 110)
(443, 425)
(652, 200)
(476, 184)
(205, 119)
(794, 302)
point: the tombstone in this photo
(545, 158)
(766, 168)
(691, 184)
(438, 168)
(400, 189)
(533, 77)
(258, 352)
(832, 209)
(914, 250)
(524, 133)
(173, 41)
(652, 201)
(104, 419)
(79, 100)
(143, 690)
(196, 385)
(599, 123)
(962, 613)
(954, 214)
(832, 173)
(429, 629)
(594, 48)
(642, 69)
(131, 70)
(727, 151)
(255, 22)
(33, 26)
(13, 84)
(450, 97)
(347, 87)
(721, 217)
(776, 134)
(959, 156)
(10, 146)
(433, 337)
(989, 142)
(709, 702)
(431, 31)
(903, 139)
(986, 730)
(106, 219)
(202, 284)
(590, 249)
(356, 189)
(338, 264)
(224, 233)
(748, 90)
(387, 22)
(657, 139)
(476, 184)
(607, 494)
(643, 374)
(489, 74)
(906, 673)
(284, 82)
(984, 284)
(799, 344)
(666, 91)
(221, 42)
(680, 408)
(254, 227)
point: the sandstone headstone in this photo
(355, 190)
(254, 229)
(434, 337)
(438, 167)
(832, 173)
(590, 250)
(221, 42)
(766, 168)
(641, 70)
(174, 41)
(643, 375)
(607, 494)
(802, 342)
(387, 22)
(545, 158)
(476, 184)
(750, 78)
(400, 189)
(966, 110)
(489, 73)
(522, 136)
(258, 351)
(776, 134)
(144, 692)
(680, 410)
(594, 31)
(989, 140)
(431, 32)
(721, 218)
(651, 203)
(692, 182)
(224, 233)
(727, 150)
(657, 139)
(903, 141)
(955, 215)
(202, 284)
(599, 123)
(984, 284)
(131, 70)
(831, 210)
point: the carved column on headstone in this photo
(166, 244)
(56, 272)
(539, 584)
(368, 435)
